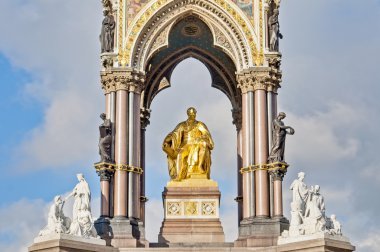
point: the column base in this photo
(127, 233)
(103, 229)
(261, 231)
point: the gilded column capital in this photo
(122, 79)
(257, 78)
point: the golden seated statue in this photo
(188, 148)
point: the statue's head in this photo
(281, 115)
(57, 199)
(191, 113)
(301, 175)
(316, 188)
(333, 217)
(103, 116)
(80, 177)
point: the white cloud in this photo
(21, 222)
(321, 138)
(60, 50)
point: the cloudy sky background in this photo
(49, 75)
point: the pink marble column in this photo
(261, 154)
(277, 206)
(121, 151)
(246, 177)
(105, 198)
(134, 155)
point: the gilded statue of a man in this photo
(188, 148)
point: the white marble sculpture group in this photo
(82, 223)
(308, 211)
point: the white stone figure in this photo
(82, 224)
(308, 212)
(336, 227)
(300, 193)
(58, 223)
(314, 217)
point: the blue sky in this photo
(49, 75)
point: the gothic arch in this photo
(199, 45)
(225, 20)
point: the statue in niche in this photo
(279, 132)
(58, 223)
(107, 32)
(105, 139)
(274, 31)
(82, 224)
(188, 148)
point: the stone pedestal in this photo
(191, 210)
(261, 232)
(127, 233)
(318, 242)
(68, 243)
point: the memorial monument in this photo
(191, 198)
(239, 42)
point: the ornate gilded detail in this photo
(174, 208)
(208, 208)
(122, 55)
(114, 80)
(144, 31)
(191, 208)
(259, 60)
(278, 166)
(105, 170)
(128, 168)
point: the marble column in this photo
(145, 115)
(121, 154)
(134, 155)
(272, 111)
(237, 121)
(261, 154)
(247, 154)
(278, 176)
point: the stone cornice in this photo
(122, 79)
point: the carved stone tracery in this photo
(175, 10)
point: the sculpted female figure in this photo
(279, 131)
(82, 198)
(188, 148)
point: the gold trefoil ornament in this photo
(188, 148)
